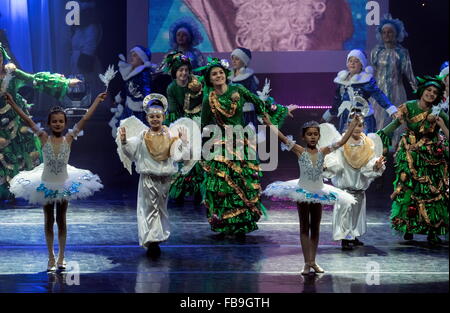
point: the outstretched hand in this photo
(182, 134)
(101, 97)
(379, 163)
(123, 134)
(292, 108)
(74, 81)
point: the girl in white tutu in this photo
(309, 191)
(54, 182)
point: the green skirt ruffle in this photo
(229, 188)
(421, 207)
(187, 185)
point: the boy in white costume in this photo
(352, 168)
(155, 152)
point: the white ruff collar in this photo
(127, 73)
(243, 75)
(360, 78)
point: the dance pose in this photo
(309, 191)
(355, 86)
(353, 167)
(185, 97)
(19, 149)
(54, 183)
(232, 179)
(391, 63)
(138, 84)
(420, 198)
(155, 152)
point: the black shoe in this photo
(346, 244)
(408, 236)
(356, 242)
(153, 250)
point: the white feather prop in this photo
(264, 94)
(108, 76)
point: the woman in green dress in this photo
(184, 96)
(19, 148)
(231, 188)
(420, 198)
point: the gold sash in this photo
(158, 145)
(358, 155)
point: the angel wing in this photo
(195, 141)
(134, 127)
(328, 135)
(378, 144)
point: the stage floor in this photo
(102, 240)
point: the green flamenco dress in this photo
(231, 187)
(183, 102)
(19, 148)
(420, 199)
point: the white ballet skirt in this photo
(54, 180)
(309, 187)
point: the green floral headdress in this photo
(174, 61)
(426, 81)
(213, 62)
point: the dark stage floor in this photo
(103, 241)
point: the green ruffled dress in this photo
(184, 103)
(231, 188)
(420, 198)
(19, 148)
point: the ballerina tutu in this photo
(30, 186)
(291, 190)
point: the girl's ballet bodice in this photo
(310, 173)
(55, 162)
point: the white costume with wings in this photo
(351, 168)
(156, 175)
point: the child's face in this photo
(236, 62)
(388, 34)
(430, 94)
(354, 66)
(311, 136)
(182, 38)
(155, 120)
(135, 60)
(359, 129)
(183, 73)
(217, 76)
(57, 122)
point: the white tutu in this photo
(290, 190)
(79, 185)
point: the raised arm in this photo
(355, 121)
(292, 146)
(80, 125)
(442, 125)
(10, 100)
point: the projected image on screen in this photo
(263, 25)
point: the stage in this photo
(102, 240)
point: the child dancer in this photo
(155, 152)
(53, 183)
(309, 191)
(355, 86)
(353, 168)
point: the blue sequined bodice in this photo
(310, 174)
